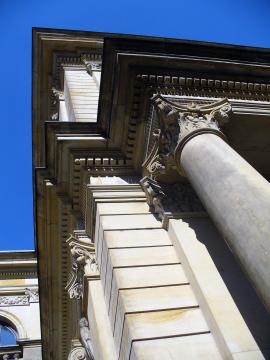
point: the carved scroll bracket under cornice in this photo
(83, 263)
(177, 124)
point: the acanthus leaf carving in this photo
(176, 125)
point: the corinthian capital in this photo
(177, 124)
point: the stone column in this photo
(235, 195)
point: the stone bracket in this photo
(83, 263)
(171, 199)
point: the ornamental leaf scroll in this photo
(83, 260)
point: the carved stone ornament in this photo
(77, 353)
(92, 66)
(170, 198)
(154, 195)
(57, 96)
(177, 124)
(83, 261)
(32, 294)
(14, 300)
(29, 296)
(86, 338)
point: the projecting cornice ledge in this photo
(177, 124)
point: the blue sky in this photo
(244, 22)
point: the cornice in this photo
(68, 161)
(61, 140)
(21, 264)
(207, 87)
(18, 274)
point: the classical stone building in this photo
(19, 306)
(151, 160)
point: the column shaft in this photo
(237, 198)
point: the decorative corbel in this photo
(83, 262)
(176, 198)
(154, 195)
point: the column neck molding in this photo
(177, 124)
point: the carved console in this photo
(164, 199)
(83, 262)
